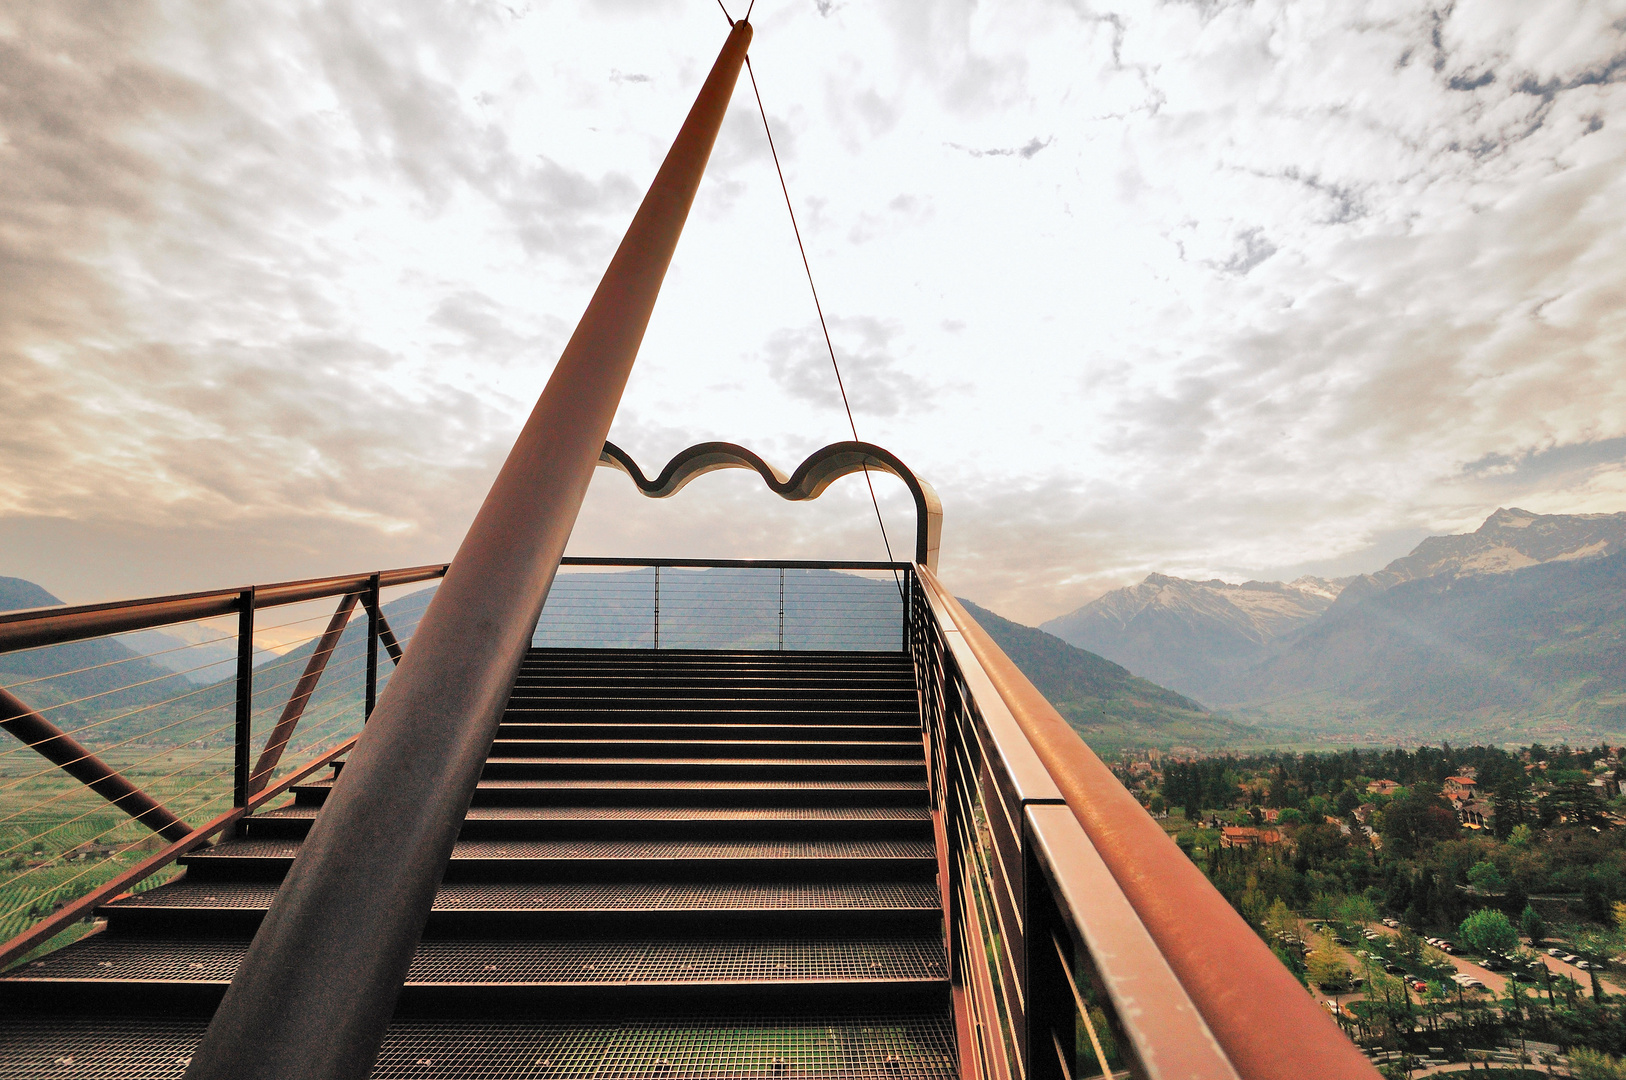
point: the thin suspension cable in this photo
(818, 307)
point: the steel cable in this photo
(818, 307)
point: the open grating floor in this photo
(805, 1047)
(677, 865)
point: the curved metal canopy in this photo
(822, 468)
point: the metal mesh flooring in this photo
(722, 763)
(505, 896)
(675, 784)
(622, 849)
(576, 962)
(714, 949)
(902, 1047)
(659, 813)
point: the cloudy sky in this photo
(1213, 289)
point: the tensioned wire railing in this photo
(146, 727)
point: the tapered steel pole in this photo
(317, 986)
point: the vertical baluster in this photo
(657, 607)
(372, 645)
(245, 695)
(781, 609)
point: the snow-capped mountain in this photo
(1509, 540)
(1192, 635)
(1510, 619)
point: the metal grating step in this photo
(544, 748)
(105, 958)
(577, 896)
(519, 726)
(657, 813)
(622, 851)
(837, 1047)
(671, 791)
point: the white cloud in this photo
(1204, 288)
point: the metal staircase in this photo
(649, 862)
(689, 863)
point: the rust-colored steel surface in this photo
(315, 991)
(57, 625)
(277, 741)
(69, 755)
(822, 468)
(1269, 1027)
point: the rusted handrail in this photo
(53, 924)
(1269, 1027)
(37, 627)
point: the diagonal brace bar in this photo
(70, 755)
(277, 741)
(387, 637)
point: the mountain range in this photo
(1511, 631)
(1106, 704)
(157, 680)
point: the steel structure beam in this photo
(316, 989)
(69, 755)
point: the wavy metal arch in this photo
(822, 468)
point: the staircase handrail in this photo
(1268, 1025)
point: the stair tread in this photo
(618, 849)
(588, 896)
(876, 1046)
(681, 785)
(654, 813)
(777, 762)
(575, 961)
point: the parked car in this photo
(1394, 969)
(1490, 963)
(1419, 985)
(1555, 952)
(1570, 958)
(1393, 924)
(1584, 965)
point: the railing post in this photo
(657, 607)
(781, 609)
(245, 696)
(373, 615)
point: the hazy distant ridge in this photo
(1514, 627)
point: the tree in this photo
(1533, 926)
(1489, 931)
(1511, 804)
(1357, 909)
(1281, 923)
(1596, 1065)
(1326, 966)
(1521, 836)
(1408, 944)
(1484, 877)
(1416, 821)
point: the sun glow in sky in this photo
(1212, 289)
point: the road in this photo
(1497, 984)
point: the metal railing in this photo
(1081, 941)
(743, 604)
(161, 722)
